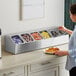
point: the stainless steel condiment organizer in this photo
(15, 48)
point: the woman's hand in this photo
(61, 53)
(62, 28)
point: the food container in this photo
(45, 34)
(33, 40)
(36, 36)
(27, 37)
(17, 39)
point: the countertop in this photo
(9, 60)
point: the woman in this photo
(71, 53)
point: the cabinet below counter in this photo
(35, 63)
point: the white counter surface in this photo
(9, 60)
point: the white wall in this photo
(9, 16)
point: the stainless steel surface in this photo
(34, 45)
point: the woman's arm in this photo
(65, 29)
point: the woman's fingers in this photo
(61, 28)
(59, 53)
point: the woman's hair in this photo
(73, 9)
